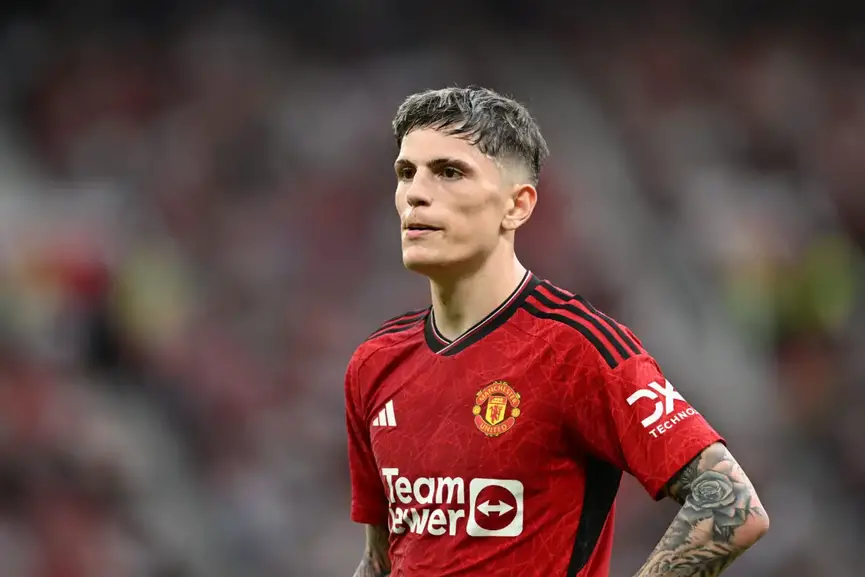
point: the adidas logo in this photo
(386, 418)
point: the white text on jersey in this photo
(663, 408)
(450, 494)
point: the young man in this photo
(488, 433)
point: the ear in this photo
(520, 206)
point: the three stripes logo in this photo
(386, 418)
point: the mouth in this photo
(416, 231)
(420, 227)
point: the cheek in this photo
(399, 201)
(480, 218)
(488, 211)
(476, 204)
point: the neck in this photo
(459, 304)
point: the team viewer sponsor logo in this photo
(665, 398)
(440, 506)
(496, 408)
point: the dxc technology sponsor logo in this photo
(665, 398)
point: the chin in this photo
(434, 264)
(424, 262)
(424, 266)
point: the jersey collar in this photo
(442, 346)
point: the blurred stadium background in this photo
(196, 230)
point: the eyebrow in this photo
(436, 164)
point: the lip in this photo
(419, 233)
(425, 228)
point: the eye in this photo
(405, 173)
(451, 173)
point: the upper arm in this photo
(632, 416)
(368, 502)
(714, 486)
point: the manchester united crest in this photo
(496, 408)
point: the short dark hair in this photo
(498, 125)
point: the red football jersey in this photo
(500, 453)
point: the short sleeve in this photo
(633, 417)
(368, 502)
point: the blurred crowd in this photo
(196, 230)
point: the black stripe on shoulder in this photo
(610, 321)
(602, 486)
(613, 323)
(400, 329)
(403, 318)
(573, 309)
(400, 323)
(574, 324)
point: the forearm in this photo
(375, 562)
(721, 517)
(694, 549)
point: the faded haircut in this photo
(498, 126)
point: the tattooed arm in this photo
(721, 517)
(375, 562)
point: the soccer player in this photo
(489, 432)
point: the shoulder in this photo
(576, 327)
(389, 334)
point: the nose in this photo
(418, 193)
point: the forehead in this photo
(424, 144)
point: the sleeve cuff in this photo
(369, 515)
(655, 487)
